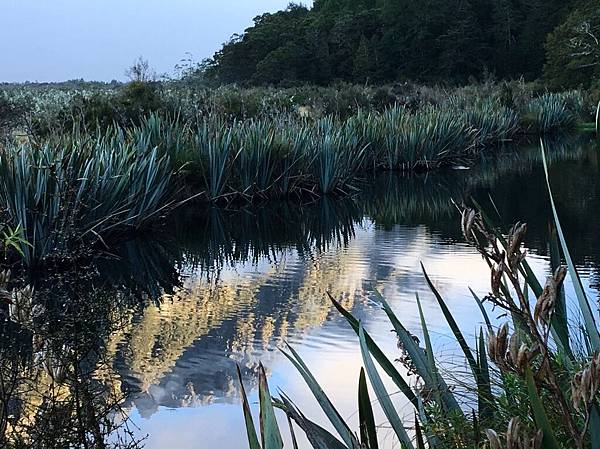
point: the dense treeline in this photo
(381, 41)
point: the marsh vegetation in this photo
(81, 168)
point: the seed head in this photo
(494, 439)
(497, 273)
(585, 384)
(546, 303)
(515, 238)
(468, 218)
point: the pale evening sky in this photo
(57, 40)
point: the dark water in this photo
(221, 287)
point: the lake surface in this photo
(229, 286)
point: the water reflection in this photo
(167, 317)
(57, 387)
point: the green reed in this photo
(80, 192)
(550, 113)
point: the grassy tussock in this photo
(70, 193)
(282, 156)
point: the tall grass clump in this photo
(215, 150)
(64, 196)
(295, 141)
(550, 113)
(390, 124)
(428, 138)
(260, 160)
(492, 122)
(370, 128)
(169, 133)
(336, 155)
(532, 382)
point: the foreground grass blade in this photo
(429, 348)
(454, 326)
(318, 437)
(595, 426)
(419, 434)
(269, 429)
(250, 430)
(541, 419)
(560, 321)
(378, 354)
(598, 120)
(382, 394)
(368, 430)
(417, 355)
(486, 317)
(418, 358)
(330, 411)
(584, 304)
(428, 345)
(485, 399)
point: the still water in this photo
(225, 287)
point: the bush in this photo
(12, 113)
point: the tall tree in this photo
(462, 49)
(574, 48)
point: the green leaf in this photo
(429, 351)
(594, 427)
(476, 431)
(330, 411)
(269, 429)
(419, 434)
(368, 430)
(486, 317)
(584, 305)
(382, 394)
(250, 430)
(428, 345)
(318, 437)
(455, 329)
(541, 419)
(378, 354)
(484, 387)
(419, 359)
(560, 321)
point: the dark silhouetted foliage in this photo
(382, 41)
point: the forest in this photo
(429, 41)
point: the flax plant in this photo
(65, 196)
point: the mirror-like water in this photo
(229, 286)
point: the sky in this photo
(58, 40)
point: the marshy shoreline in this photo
(104, 162)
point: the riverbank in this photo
(67, 190)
